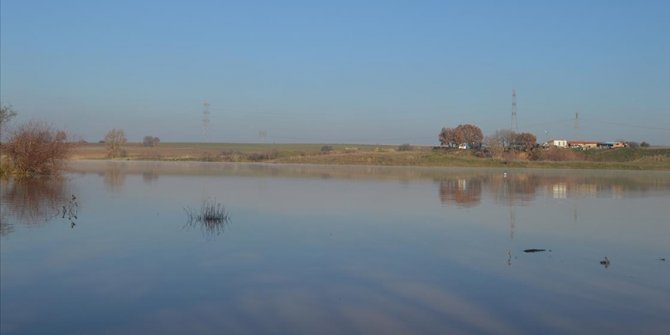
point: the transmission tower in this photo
(205, 118)
(515, 126)
(262, 134)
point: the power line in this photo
(515, 125)
(205, 118)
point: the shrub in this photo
(633, 145)
(326, 149)
(151, 141)
(644, 144)
(36, 149)
(262, 156)
(405, 147)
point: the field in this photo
(339, 154)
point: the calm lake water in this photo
(335, 250)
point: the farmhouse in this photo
(584, 145)
(556, 143)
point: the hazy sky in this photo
(339, 71)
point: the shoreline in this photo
(368, 155)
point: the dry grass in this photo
(386, 155)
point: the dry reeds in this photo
(211, 217)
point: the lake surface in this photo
(335, 250)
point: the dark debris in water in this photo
(535, 250)
(605, 262)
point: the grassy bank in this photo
(388, 155)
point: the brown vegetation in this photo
(6, 115)
(35, 149)
(658, 159)
(464, 133)
(114, 140)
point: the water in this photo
(335, 250)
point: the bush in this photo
(633, 145)
(405, 147)
(262, 156)
(36, 149)
(151, 141)
(644, 144)
(326, 149)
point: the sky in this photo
(377, 72)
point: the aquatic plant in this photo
(211, 217)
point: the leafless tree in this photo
(114, 139)
(35, 148)
(6, 115)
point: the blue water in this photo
(335, 250)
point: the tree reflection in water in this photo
(521, 188)
(510, 189)
(462, 191)
(114, 177)
(35, 201)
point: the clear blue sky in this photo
(339, 71)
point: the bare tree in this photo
(504, 137)
(36, 149)
(114, 139)
(6, 115)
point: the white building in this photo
(557, 143)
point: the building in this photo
(556, 143)
(611, 145)
(584, 145)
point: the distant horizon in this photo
(345, 72)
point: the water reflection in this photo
(36, 201)
(506, 188)
(458, 186)
(465, 192)
(345, 250)
(113, 176)
(520, 188)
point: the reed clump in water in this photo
(211, 217)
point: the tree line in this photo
(472, 136)
(37, 149)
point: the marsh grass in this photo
(344, 154)
(211, 217)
